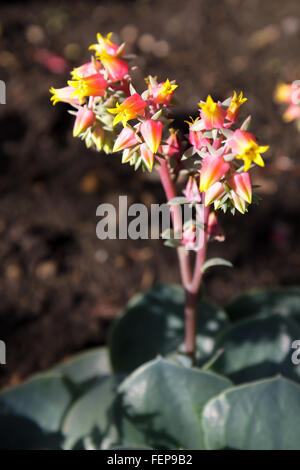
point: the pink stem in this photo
(170, 190)
(201, 254)
(191, 295)
(191, 283)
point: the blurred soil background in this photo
(60, 287)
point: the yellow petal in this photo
(113, 110)
(118, 119)
(258, 160)
(263, 149)
(247, 164)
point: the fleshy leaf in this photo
(262, 415)
(216, 262)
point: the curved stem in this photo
(191, 281)
(201, 254)
(192, 291)
(170, 190)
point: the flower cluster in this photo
(111, 115)
(106, 103)
(224, 182)
(290, 95)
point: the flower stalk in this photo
(190, 278)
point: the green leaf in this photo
(167, 234)
(258, 347)
(215, 262)
(229, 157)
(172, 243)
(153, 323)
(211, 149)
(188, 153)
(227, 102)
(86, 366)
(177, 200)
(164, 402)
(208, 134)
(259, 416)
(132, 89)
(31, 414)
(197, 126)
(157, 115)
(227, 133)
(89, 414)
(214, 133)
(246, 124)
(284, 301)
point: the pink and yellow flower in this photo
(131, 107)
(235, 104)
(241, 184)
(246, 148)
(64, 95)
(212, 113)
(284, 93)
(292, 113)
(116, 68)
(106, 45)
(89, 68)
(189, 237)
(238, 202)
(214, 230)
(84, 119)
(147, 156)
(214, 192)
(213, 169)
(129, 155)
(98, 136)
(197, 140)
(196, 137)
(152, 131)
(126, 138)
(172, 148)
(191, 191)
(93, 85)
(163, 92)
(289, 93)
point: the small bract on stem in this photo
(216, 155)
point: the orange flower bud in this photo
(214, 192)
(241, 184)
(213, 168)
(84, 119)
(147, 156)
(152, 131)
(127, 138)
